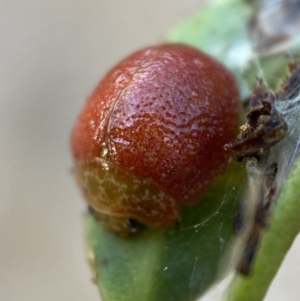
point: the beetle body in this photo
(151, 135)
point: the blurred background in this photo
(52, 54)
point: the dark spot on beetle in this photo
(134, 225)
(90, 210)
(177, 225)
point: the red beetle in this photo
(151, 135)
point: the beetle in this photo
(150, 137)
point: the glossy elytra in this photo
(150, 137)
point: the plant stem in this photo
(283, 227)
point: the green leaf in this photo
(176, 263)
